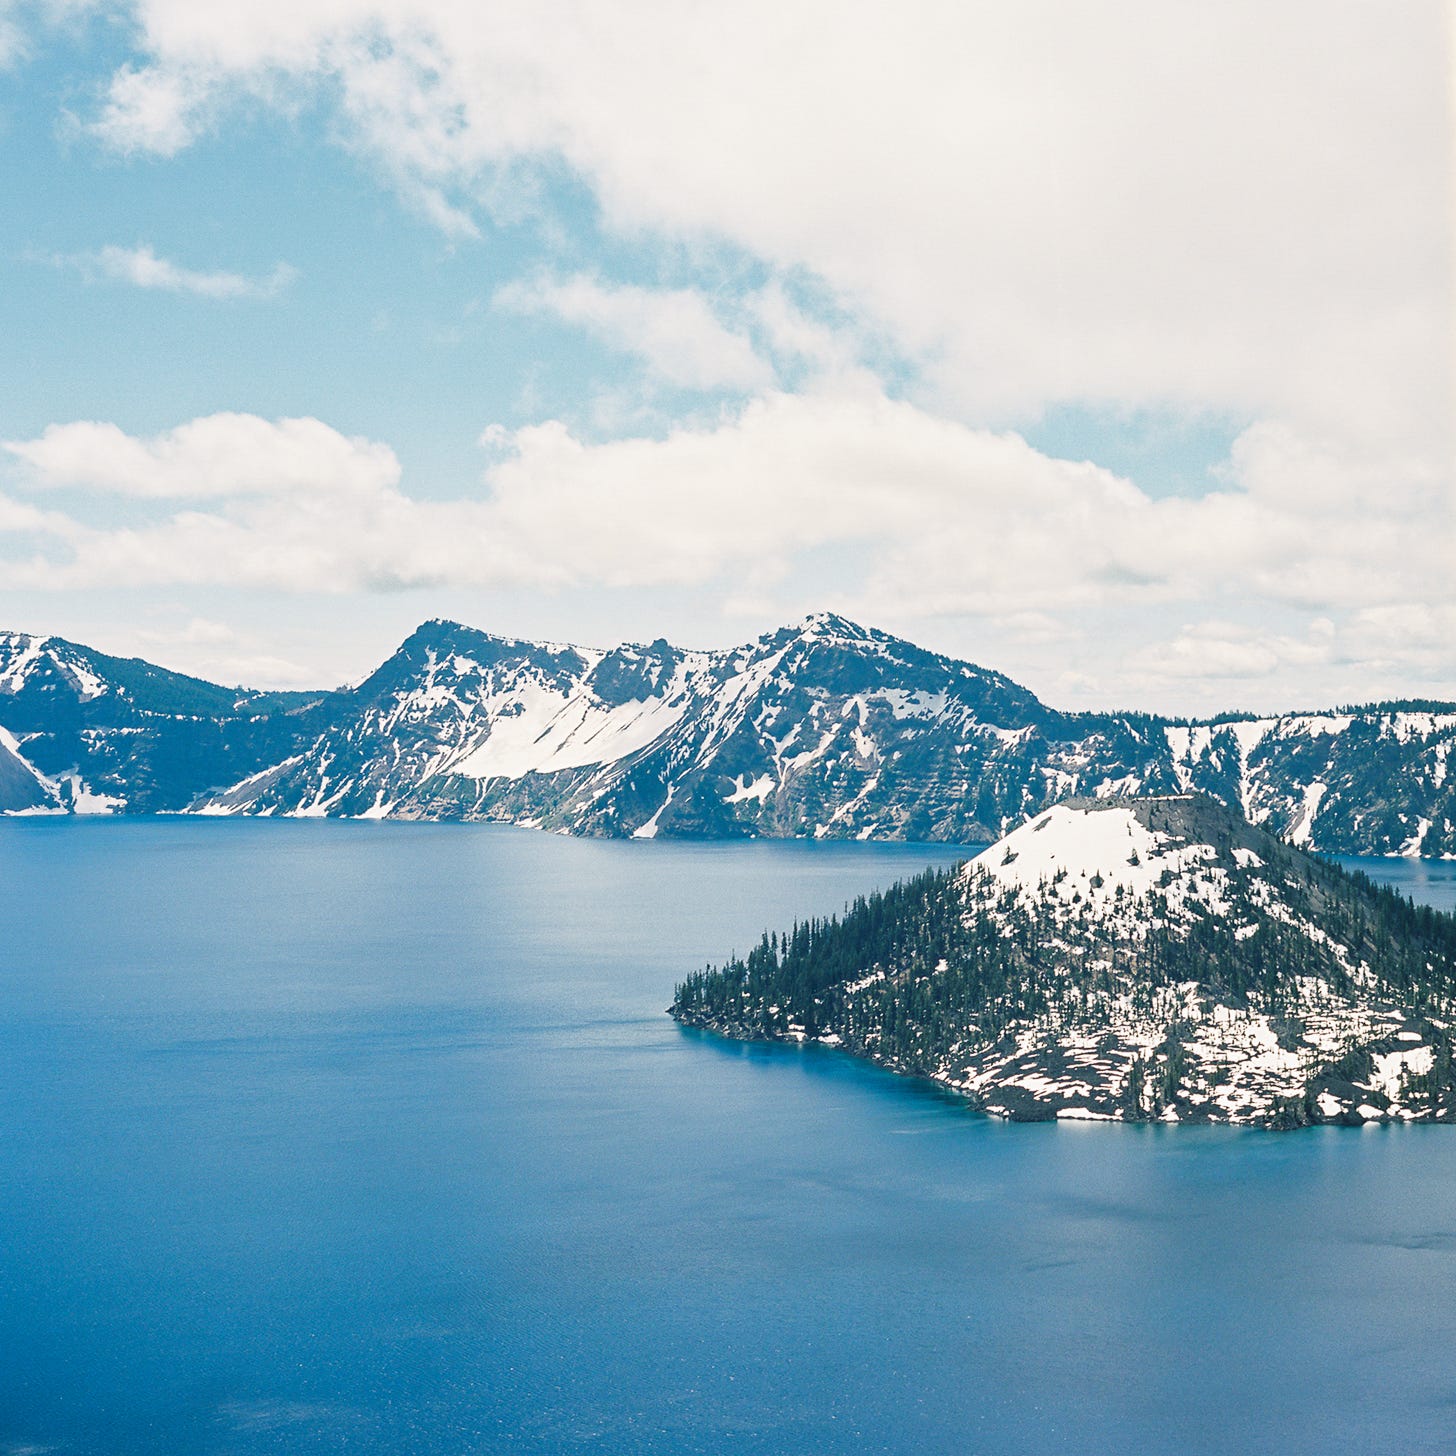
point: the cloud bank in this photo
(939, 520)
(1243, 207)
(223, 455)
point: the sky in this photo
(1107, 343)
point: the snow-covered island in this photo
(1130, 959)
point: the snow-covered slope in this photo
(823, 729)
(1347, 781)
(23, 788)
(1128, 958)
(1105, 855)
(85, 733)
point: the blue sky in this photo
(995, 326)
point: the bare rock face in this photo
(1136, 959)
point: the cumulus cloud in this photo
(142, 268)
(21, 517)
(673, 331)
(1162, 204)
(1405, 635)
(1241, 206)
(222, 455)
(1232, 650)
(792, 473)
(791, 334)
(735, 343)
(221, 653)
(152, 109)
(196, 632)
(941, 519)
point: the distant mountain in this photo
(825, 729)
(85, 733)
(1128, 959)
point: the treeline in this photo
(785, 980)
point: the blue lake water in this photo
(373, 1138)
(1426, 881)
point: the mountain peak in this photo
(443, 635)
(830, 624)
(442, 630)
(823, 728)
(1103, 856)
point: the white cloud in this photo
(223, 455)
(797, 472)
(220, 653)
(142, 268)
(17, 17)
(1404, 636)
(941, 521)
(17, 517)
(673, 331)
(151, 110)
(1240, 208)
(197, 632)
(1231, 650)
(1243, 207)
(732, 343)
(792, 334)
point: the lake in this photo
(341, 1137)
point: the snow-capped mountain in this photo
(1125, 959)
(82, 732)
(825, 729)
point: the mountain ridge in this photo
(822, 728)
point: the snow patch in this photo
(536, 729)
(1083, 844)
(1389, 1068)
(649, 829)
(84, 801)
(759, 789)
(1404, 726)
(13, 679)
(1303, 826)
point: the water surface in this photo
(330, 1137)
(1426, 881)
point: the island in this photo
(1133, 959)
